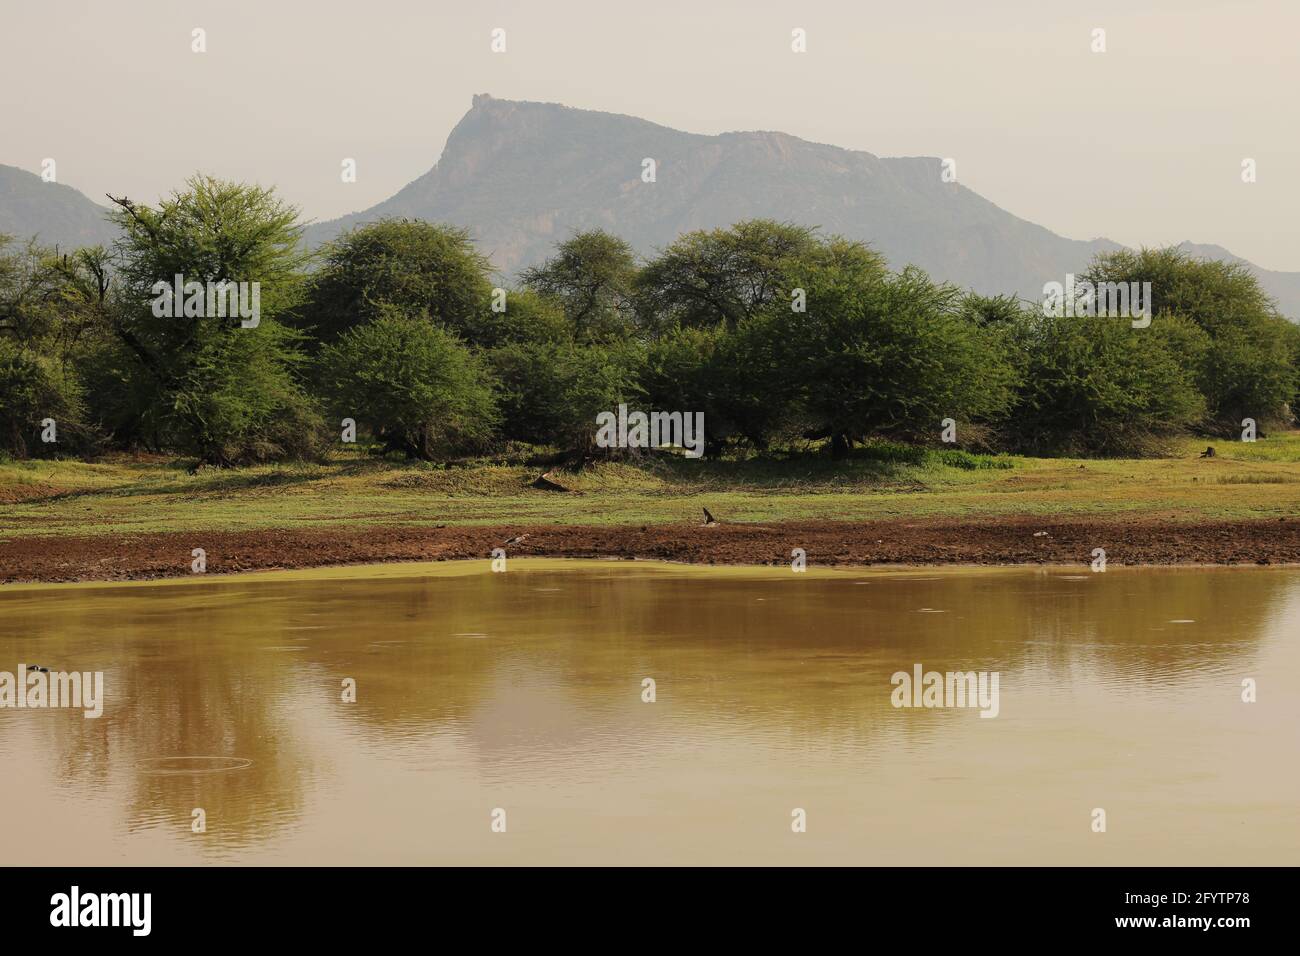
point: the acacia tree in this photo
(1245, 368)
(220, 389)
(524, 317)
(721, 276)
(418, 267)
(1096, 386)
(23, 292)
(413, 384)
(593, 277)
(49, 307)
(890, 356)
(551, 392)
(35, 388)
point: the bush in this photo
(414, 385)
(528, 317)
(1245, 368)
(34, 388)
(1097, 386)
(891, 357)
(550, 393)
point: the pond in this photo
(627, 712)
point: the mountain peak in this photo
(523, 176)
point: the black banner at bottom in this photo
(215, 904)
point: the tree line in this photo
(784, 338)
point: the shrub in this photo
(32, 389)
(414, 385)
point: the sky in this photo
(1142, 143)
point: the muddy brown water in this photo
(523, 692)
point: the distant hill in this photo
(54, 213)
(523, 176)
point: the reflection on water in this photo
(523, 691)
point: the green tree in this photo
(417, 267)
(741, 379)
(551, 392)
(682, 373)
(24, 292)
(527, 317)
(129, 406)
(1097, 386)
(892, 357)
(593, 277)
(722, 276)
(1293, 347)
(1246, 369)
(33, 388)
(1004, 310)
(223, 390)
(50, 314)
(413, 384)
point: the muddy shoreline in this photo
(1004, 541)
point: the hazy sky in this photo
(1142, 143)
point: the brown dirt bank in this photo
(906, 541)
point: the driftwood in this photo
(545, 483)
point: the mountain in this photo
(52, 212)
(523, 176)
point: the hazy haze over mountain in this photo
(53, 213)
(1142, 143)
(524, 176)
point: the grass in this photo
(1244, 480)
